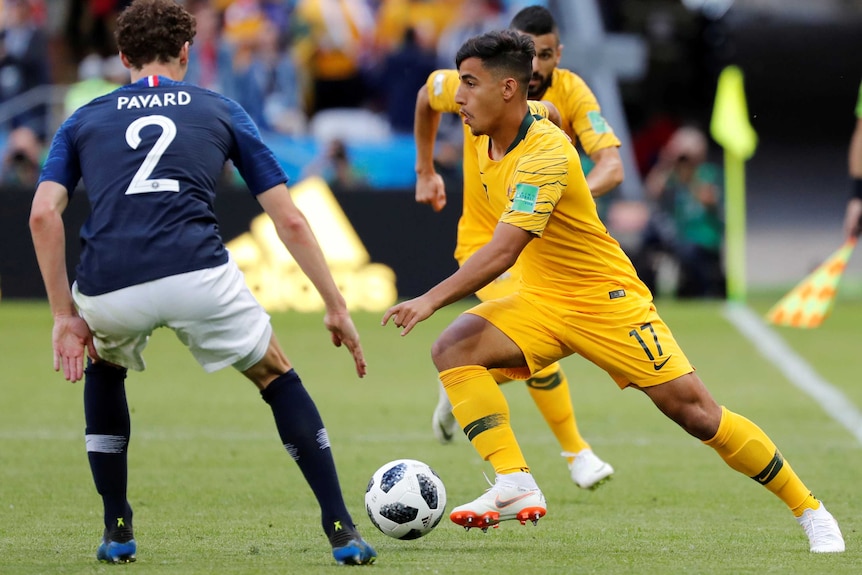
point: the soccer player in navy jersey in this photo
(149, 155)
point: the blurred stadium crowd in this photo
(284, 61)
(332, 83)
(301, 68)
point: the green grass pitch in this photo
(214, 491)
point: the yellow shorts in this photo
(631, 343)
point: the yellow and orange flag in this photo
(809, 303)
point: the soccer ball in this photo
(405, 499)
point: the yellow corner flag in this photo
(729, 125)
(810, 302)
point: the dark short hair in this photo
(504, 51)
(535, 20)
(153, 31)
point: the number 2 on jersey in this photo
(141, 184)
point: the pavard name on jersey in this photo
(154, 100)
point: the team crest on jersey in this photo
(598, 123)
(525, 198)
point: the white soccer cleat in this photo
(443, 422)
(822, 530)
(505, 500)
(588, 471)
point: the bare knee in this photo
(443, 352)
(472, 340)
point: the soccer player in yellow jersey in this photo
(579, 294)
(580, 116)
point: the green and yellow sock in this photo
(483, 413)
(747, 449)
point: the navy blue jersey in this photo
(149, 155)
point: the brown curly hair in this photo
(153, 30)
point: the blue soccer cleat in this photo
(356, 552)
(117, 547)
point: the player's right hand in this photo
(70, 336)
(431, 190)
(408, 313)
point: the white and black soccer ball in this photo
(405, 499)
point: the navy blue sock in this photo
(106, 413)
(304, 437)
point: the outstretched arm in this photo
(429, 184)
(479, 270)
(296, 235)
(71, 334)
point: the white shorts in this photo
(212, 312)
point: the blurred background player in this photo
(153, 257)
(581, 114)
(853, 214)
(582, 121)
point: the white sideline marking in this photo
(832, 400)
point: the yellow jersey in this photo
(581, 120)
(539, 186)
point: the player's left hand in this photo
(70, 336)
(343, 332)
(408, 313)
